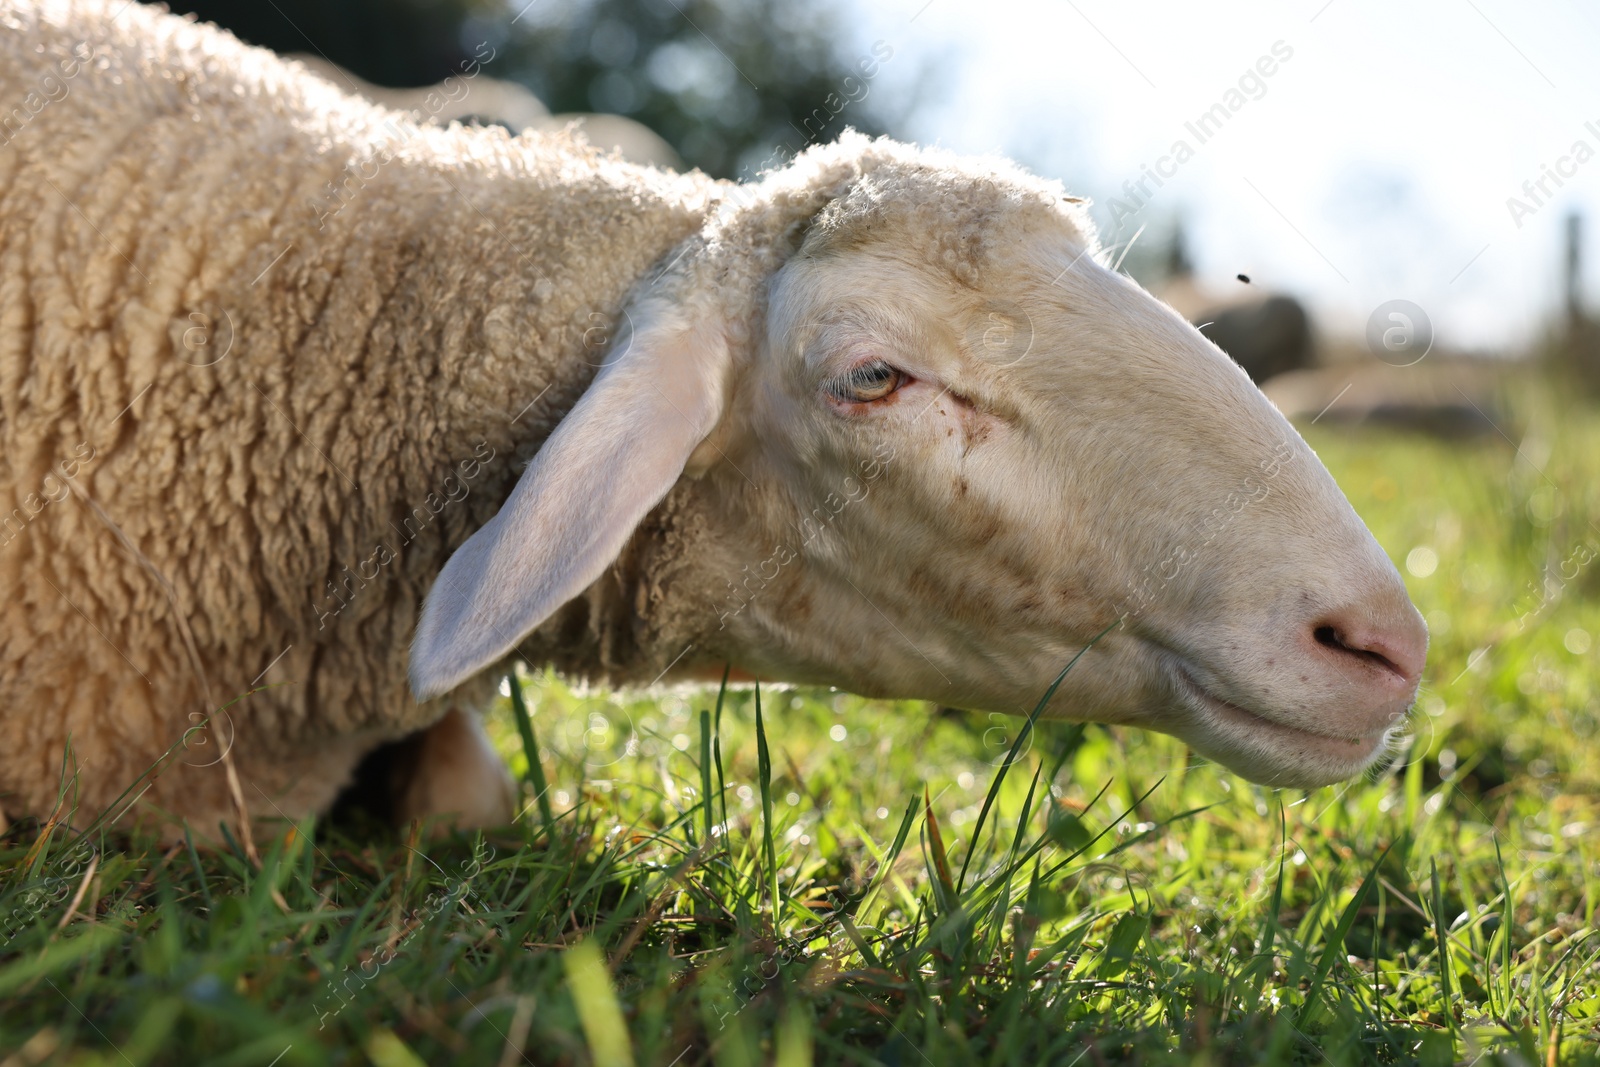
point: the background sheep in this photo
(491, 100)
(306, 343)
(1266, 333)
(1267, 336)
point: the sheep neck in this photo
(502, 307)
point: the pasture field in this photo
(824, 880)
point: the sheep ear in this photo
(610, 461)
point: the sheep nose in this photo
(1386, 648)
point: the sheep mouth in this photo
(1248, 729)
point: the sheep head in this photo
(952, 448)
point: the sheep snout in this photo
(1306, 703)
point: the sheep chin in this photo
(1265, 750)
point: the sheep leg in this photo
(456, 775)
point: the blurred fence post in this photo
(1574, 343)
(1574, 270)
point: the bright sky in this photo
(1376, 163)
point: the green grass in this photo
(697, 881)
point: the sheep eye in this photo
(866, 383)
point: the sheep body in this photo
(267, 355)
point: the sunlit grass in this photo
(826, 904)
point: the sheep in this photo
(473, 95)
(1266, 333)
(1449, 397)
(1267, 337)
(280, 371)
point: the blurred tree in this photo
(729, 84)
(733, 85)
(397, 43)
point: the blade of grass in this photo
(1129, 842)
(707, 801)
(1061, 865)
(57, 956)
(1022, 819)
(949, 897)
(716, 746)
(1069, 744)
(1003, 905)
(1117, 956)
(1333, 948)
(199, 868)
(596, 1000)
(1271, 924)
(768, 848)
(1022, 735)
(530, 748)
(1023, 930)
(794, 1039)
(884, 868)
(39, 850)
(1442, 939)
(860, 942)
(1507, 914)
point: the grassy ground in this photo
(1123, 903)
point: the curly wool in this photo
(269, 354)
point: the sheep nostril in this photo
(1328, 637)
(1371, 650)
